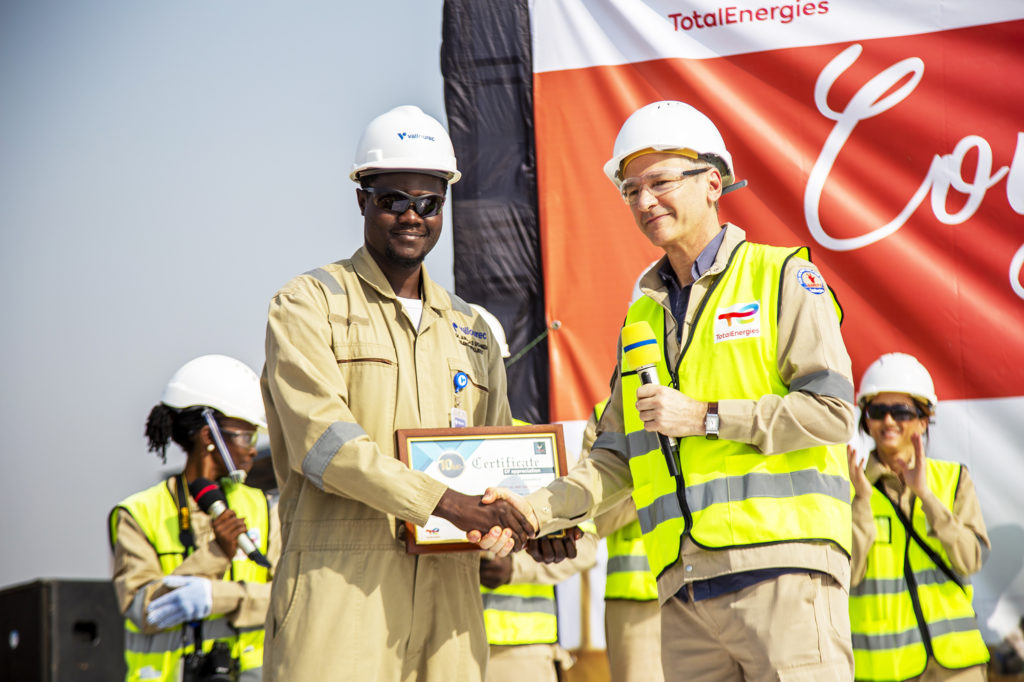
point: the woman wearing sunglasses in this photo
(917, 534)
(191, 599)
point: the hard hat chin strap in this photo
(237, 475)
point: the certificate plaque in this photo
(470, 460)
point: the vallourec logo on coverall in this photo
(739, 321)
(471, 338)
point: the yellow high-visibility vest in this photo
(907, 608)
(520, 614)
(734, 495)
(158, 656)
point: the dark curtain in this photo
(488, 92)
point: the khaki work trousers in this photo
(793, 628)
(632, 634)
(526, 662)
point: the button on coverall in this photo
(346, 368)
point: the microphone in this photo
(641, 352)
(211, 500)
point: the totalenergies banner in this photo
(887, 136)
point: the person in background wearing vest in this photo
(632, 616)
(356, 350)
(751, 541)
(162, 541)
(520, 611)
(918, 533)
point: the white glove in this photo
(191, 599)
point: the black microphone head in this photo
(205, 492)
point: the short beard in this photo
(401, 261)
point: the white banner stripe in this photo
(574, 34)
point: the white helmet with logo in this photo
(405, 139)
(496, 329)
(221, 382)
(898, 373)
(670, 126)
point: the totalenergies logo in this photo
(744, 315)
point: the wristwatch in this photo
(711, 422)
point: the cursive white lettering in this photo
(944, 173)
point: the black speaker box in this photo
(61, 630)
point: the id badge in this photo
(460, 418)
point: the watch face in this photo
(711, 423)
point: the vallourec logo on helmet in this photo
(740, 321)
(416, 136)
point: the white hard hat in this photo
(221, 382)
(405, 139)
(496, 329)
(898, 373)
(669, 126)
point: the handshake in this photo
(501, 521)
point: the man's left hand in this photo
(495, 572)
(669, 412)
(550, 549)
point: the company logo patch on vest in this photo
(739, 321)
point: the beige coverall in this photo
(759, 623)
(138, 575)
(961, 530)
(345, 369)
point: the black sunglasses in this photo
(900, 413)
(397, 201)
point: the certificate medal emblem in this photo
(451, 464)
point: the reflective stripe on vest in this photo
(157, 656)
(734, 495)
(629, 575)
(520, 614)
(890, 640)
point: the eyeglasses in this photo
(242, 438)
(657, 182)
(397, 201)
(900, 413)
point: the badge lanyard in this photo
(460, 418)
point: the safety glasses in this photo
(657, 182)
(243, 438)
(900, 413)
(397, 201)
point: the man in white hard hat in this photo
(751, 542)
(356, 350)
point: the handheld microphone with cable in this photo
(641, 352)
(211, 500)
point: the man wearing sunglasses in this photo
(356, 350)
(751, 541)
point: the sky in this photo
(165, 167)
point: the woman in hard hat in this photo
(178, 573)
(918, 533)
